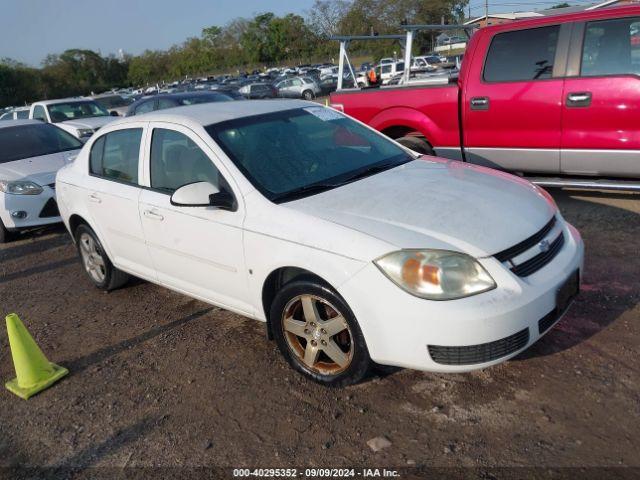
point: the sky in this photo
(31, 29)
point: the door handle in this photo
(153, 215)
(480, 103)
(94, 198)
(579, 99)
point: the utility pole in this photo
(486, 11)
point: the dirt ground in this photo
(164, 382)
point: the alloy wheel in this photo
(92, 259)
(318, 335)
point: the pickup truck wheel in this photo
(97, 265)
(416, 144)
(318, 334)
(307, 95)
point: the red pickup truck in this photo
(555, 95)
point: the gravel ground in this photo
(160, 380)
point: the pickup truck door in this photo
(601, 100)
(512, 99)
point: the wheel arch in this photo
(279, 278)
(75, 221)
(399, 122)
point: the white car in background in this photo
(351, 247)
(30, 154)
(81, 117)
(18, 113)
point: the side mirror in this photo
(203, 194)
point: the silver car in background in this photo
(298, 87)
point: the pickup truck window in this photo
(611, 47)
(39, 113)
(522, 55)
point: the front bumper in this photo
(40, 209)
(399, 328)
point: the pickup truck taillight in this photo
(337, 106)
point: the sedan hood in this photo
(91, 122)
(435, 203)
(41, 170)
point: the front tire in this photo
(95, 261)
(318, 334)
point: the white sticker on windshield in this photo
(325, 114)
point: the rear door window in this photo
(522, 55)
(115, 156)
(611, 47)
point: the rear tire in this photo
(307, 95)
(95, 261)
(416, 144)
(318, 334)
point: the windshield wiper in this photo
(372, 170)
(323, 187)
(304, 191)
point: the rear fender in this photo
(410, 119)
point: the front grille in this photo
(536, 263)
(52, 186)
(482, 353)
(546, 322)
(525, 245)
(50, 209)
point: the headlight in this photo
(20, 188)
(436, 274)
(85, 132)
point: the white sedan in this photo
(31, 152)
(352, 248)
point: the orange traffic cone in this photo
(34, 372)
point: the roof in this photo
(555, 11)
(208, 113)
(586, 15)
(63, 100)
(18, 123)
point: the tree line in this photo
(242, 44)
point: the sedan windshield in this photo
(27, 141)
(61, 112)
(296, 153)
